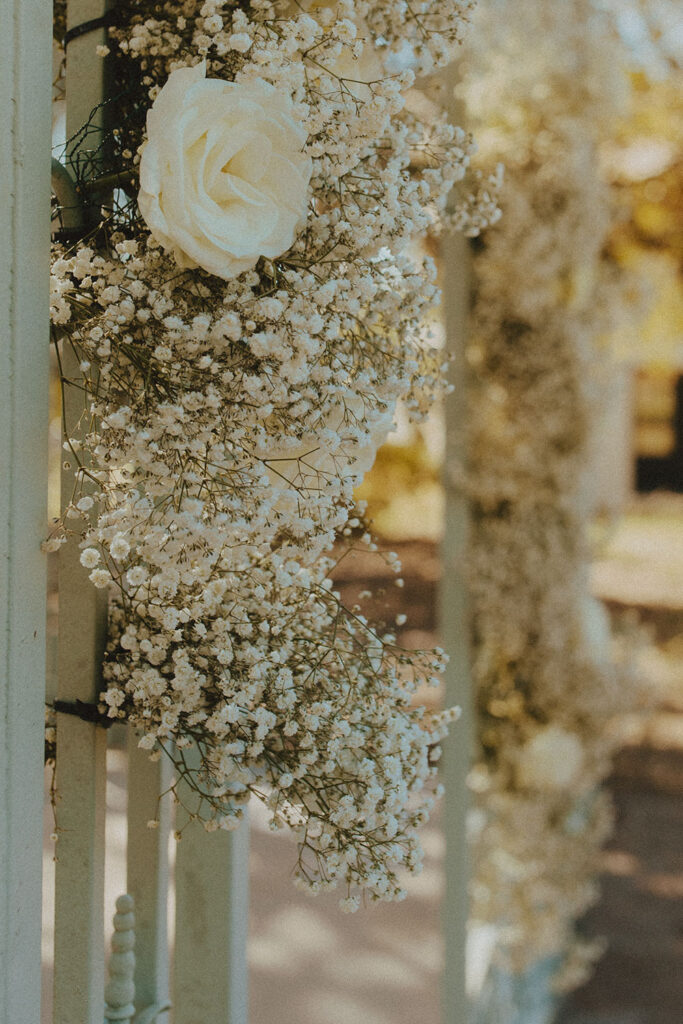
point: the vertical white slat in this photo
(454, 623)
(25, 87)
(81, 782)
(148, 874)
(81, 746)
(210, 978)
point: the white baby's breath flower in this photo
(100, 578)
(119, 547)
(223, 176)
(52, 544)
(89, 558)
(301, 463)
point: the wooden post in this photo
(210, 980)
(81, 746)
(454, 621)
(25, 86)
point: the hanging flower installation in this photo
(245, 317)
(546, 690)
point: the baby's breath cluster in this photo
(547, 688)
(226, 419)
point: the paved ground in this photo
(640, 978)
(312, 965)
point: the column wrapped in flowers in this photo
(546, 688)
(246, 315)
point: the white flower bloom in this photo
(100, 578)
(52, 544)
(89, 558)
(552, 759)
(223, 177)
(359, 65)
(301, 463)
(119, 547)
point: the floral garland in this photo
(245, 318)
(546, 688)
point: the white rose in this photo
(552, 759)
(223, 176)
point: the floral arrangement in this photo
(245, 315)
(547, 687)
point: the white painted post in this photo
(454, 621)
(210, 979)
(148, 875)
(81, 781)
(25, 87)
(81, 746)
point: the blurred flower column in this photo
(543, 85)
